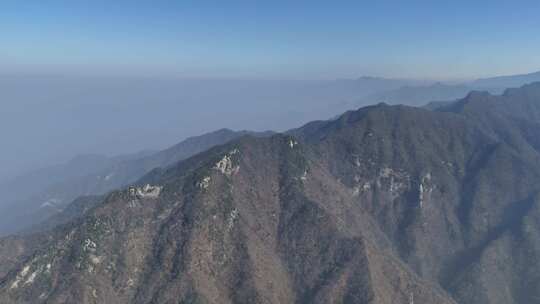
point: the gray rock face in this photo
(387, 204)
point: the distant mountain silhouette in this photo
(418, 95)
(511, 81)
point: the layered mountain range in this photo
(34, 197)
(418, 94)
(385, 204)
(30, 198)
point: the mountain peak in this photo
(473, 95)
(519, 103)
(531, 88)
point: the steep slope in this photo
(453, 190)
(30, 203)
(250, 222)
(518, 103)
(512, 117)
(71, 212)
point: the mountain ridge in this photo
(97, 179)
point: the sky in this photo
(113, 77)
(271, 39)
(48, 119)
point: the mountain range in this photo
(384, 204)
(420, 94)
(36, 196)
(32, 197)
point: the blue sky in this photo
(81, 46)
(272, 39)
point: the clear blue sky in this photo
(272, 39)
